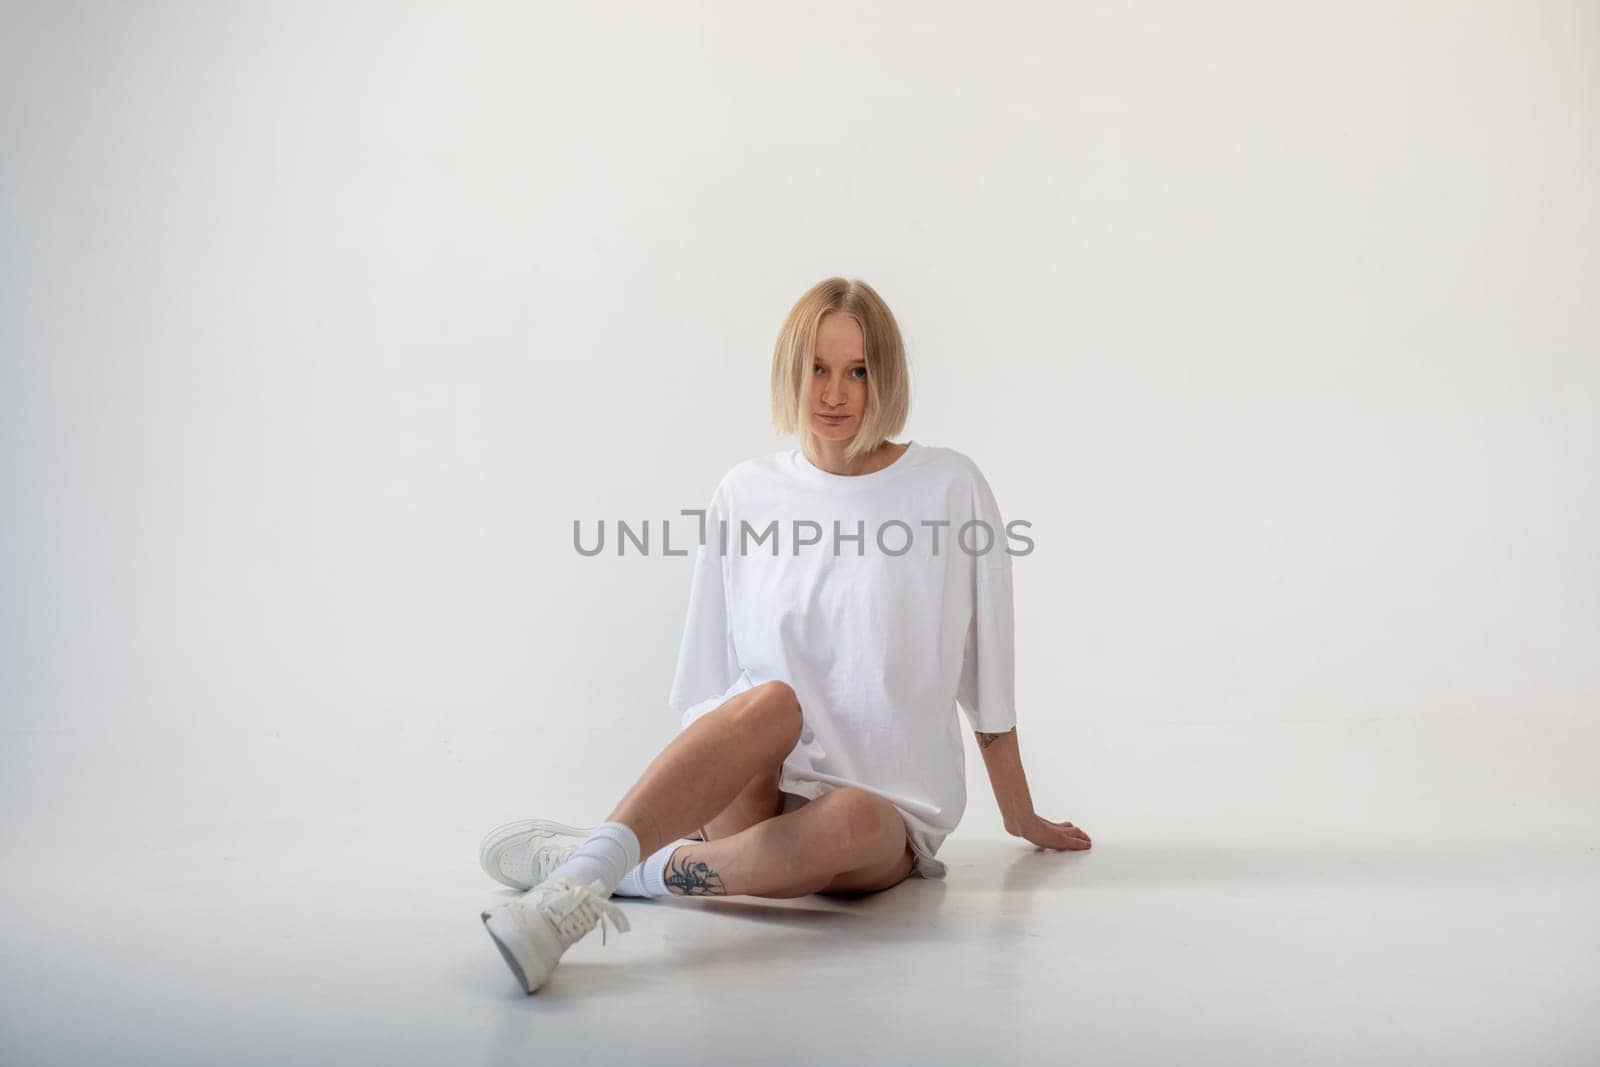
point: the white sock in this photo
(648, 879)
(606, 854)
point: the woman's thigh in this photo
(758, 801)
(885, 853)
(887, 857)
(874, 879)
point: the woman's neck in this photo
(830, 457)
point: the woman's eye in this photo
(816, 368)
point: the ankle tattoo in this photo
(691, 878)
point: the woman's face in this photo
(838, 378)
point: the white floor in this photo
(161, 907)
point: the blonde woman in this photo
(848, 595)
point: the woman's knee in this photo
(772, 708)
(855, 825)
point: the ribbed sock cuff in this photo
(653, 871)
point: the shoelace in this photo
(575, 908)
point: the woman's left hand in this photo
(1062, 836)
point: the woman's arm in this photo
(988, 689)
(1003, 759)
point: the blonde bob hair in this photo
(888, 377)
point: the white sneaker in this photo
(522, 854)
(534, 930)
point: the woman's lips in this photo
(832, 420)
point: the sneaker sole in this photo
(508, 955)
(510, 833)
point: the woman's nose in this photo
(832, 393)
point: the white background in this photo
(320, 325)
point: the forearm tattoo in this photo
(692, 878)
(985, 740)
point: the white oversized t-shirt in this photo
(881, 642)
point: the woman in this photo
(847, 596)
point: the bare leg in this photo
(710, 764)
(758, 801)
(847, 841)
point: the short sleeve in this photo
(987, 692)
(708, 662)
